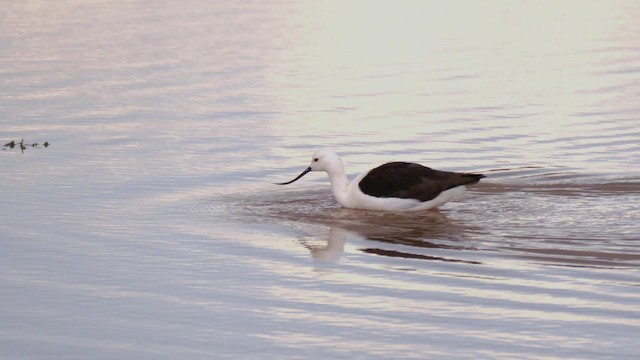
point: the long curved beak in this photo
(299, 176)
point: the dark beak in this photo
(299, 176)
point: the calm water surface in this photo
(151, 228)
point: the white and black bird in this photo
(394, 186)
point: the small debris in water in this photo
(12, 144)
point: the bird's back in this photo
(412, 181)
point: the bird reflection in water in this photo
(428, 230)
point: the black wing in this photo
(412, 181)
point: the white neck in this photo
(339, 186)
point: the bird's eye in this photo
(316, 159)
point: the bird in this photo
(394, 186)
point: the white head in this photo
(322, 160)
(326, 160)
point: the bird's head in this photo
(322, 160)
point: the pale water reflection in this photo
(152, 229)
(405, 229)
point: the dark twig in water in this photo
(22, 146)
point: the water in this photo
(151, 228)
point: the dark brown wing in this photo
(412, 181)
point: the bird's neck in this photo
(339, 186)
